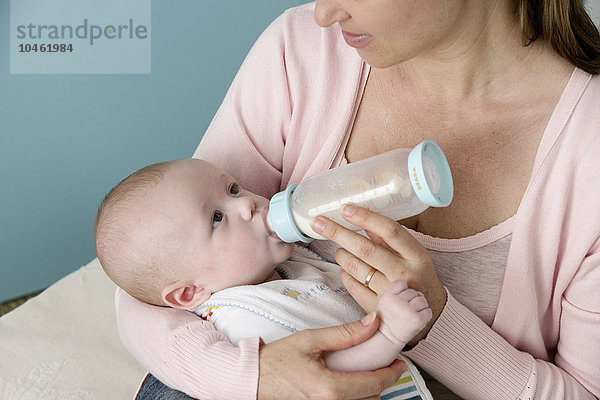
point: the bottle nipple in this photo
(269, 222)
(431, 175)
(280, 219)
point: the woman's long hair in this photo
(566, 26)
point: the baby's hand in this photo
(402, 312)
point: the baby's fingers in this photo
(419, 303)
(397, 287)
(426, 315)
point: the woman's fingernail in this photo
(368, 319)
(349, 210)
(318, 225)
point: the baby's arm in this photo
(402, 312)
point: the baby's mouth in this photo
(264, 215)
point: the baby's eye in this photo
(217, 217)
(234, 190)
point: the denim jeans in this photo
(153, 389)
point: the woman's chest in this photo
(491, 158)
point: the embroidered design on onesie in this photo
(317, 289)
(291, 293)
(208, 313)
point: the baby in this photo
(183, 232)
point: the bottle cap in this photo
(430, 174)
(281, 217)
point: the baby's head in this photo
(173, 233)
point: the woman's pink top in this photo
(288, 115)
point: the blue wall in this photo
(65, 140)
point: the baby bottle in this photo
(399, 184)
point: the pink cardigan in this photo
(288, 115)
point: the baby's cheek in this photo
(282, 251)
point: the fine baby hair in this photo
(127, 266)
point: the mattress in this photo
(63, 343)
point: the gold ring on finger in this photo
(369, 276)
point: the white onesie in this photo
(309, 296)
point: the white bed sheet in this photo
(63, 344)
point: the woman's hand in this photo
(293, 367)
(391, 250)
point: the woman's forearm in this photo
(187, 353)
(481, 364)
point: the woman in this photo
(509, 90)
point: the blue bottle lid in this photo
(434, 189)
(282, 222)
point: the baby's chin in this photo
(273, 277)
(290, 249)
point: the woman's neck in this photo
(481, 57)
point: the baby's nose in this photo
(247, 208)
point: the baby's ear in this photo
(185, 297)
